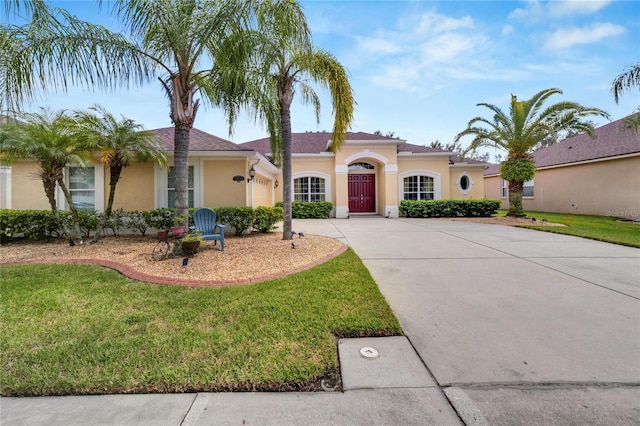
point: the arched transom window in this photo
(360, 166)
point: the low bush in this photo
(449, 208)
(310, 210)
(41, 224)
(265, 218)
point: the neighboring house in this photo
(583, 175)
(371, 174)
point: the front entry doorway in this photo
(362, 193)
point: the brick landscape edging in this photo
(128, 271)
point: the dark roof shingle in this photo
(198, 141)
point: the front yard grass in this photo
(602, 228)
(77, 329)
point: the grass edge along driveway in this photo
(79, 329)
(609, 229)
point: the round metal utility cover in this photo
(369, 352)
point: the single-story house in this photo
(583, 175)
(369, 175)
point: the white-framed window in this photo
(505, 188)
(171, 187)
(309, 188)
(464, 183)
(527, 188)
(82, 187)
(418, 188)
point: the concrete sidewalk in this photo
(503, 326)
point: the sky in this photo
(419, 68)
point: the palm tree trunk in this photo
(75, 218)
(50, 191)
(181, 168)
(285, 120)
(115, 172)
(515, 199)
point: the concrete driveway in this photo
(516, 326)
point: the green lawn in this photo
(601, 228)
(77, 329)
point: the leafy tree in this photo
(521, 130)
(288, 62)
(51, 140)
(464, 154)
(117, 143)
(196, 49)
(386, 135)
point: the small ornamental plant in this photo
(192, 237)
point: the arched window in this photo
(418, 188)
(360, 166)
(309, 188)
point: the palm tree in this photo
(50, 139)
(625, 81)
(118, 143)
(195, 48)
(522, 130)
(289, 63)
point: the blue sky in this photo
(419, 68)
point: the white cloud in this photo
(575, 7)
(450, 46)
(378, 45)
(435, 23)
(568, 37)
(537, 10)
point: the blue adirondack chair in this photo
(205, 223)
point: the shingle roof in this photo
(611, 140)
(316, 143)
(198, 141)
(310, 142)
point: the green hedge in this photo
(310, 210)
(449, 208)
(41, 224)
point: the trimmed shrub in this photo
(265, 218)
(240, 218)
(310, 210)
(449, 208)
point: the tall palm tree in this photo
(118, 143)
(522, 130)
(288, 62)
(625, 81)
(50, 139)
(194, 47)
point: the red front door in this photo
(362, 193)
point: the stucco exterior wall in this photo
(219, 189)
(493, 190)
(27, 190)
(476, 179)
(606, 188)
(135, 187)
